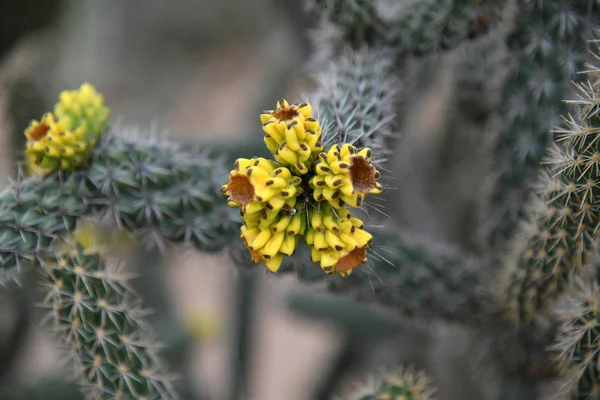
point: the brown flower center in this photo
(242, 191)
(285, 113)
(352, 260)
(362, 174)
(39, 131)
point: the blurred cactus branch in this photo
(411, 27)
(549, 43)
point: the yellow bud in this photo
(274, 263)
(272, 247)
(289, 245)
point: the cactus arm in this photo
(101, 321)
(356, 99)
(549, 45)
(411, 27)
(161, 193)
(562, 233)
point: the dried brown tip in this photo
(285, 113)
(242, 191)
(362, 173)
(351, 261)
(39, 131)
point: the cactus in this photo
(301, 206)
(561, 236)
(549, 45)
(100, 320)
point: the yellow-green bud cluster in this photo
(344, 176)
(297, 195)
(337, 242)
(64, 139)
(292, 134)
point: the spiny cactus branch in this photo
(101, 320)
(413, 26)
(357, 98)
(160, 192)
(549, 45)
(34, 212)
(561, 237)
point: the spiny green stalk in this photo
(402, 383)
(560, 238)
(414, 26)
(418, 278)
(577, 343)
(549, 44)
(356, 99)
(101, 320)
(160, 192)
(34, 212)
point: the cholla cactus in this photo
(326, 156)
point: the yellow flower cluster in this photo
(298, 195)
(344, 176)
(64, 139)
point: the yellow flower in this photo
(258, 183)
(337, 241)
(64, 140)
(292, 134)
(52, 146)
(344, 175)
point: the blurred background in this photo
(202, 70)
